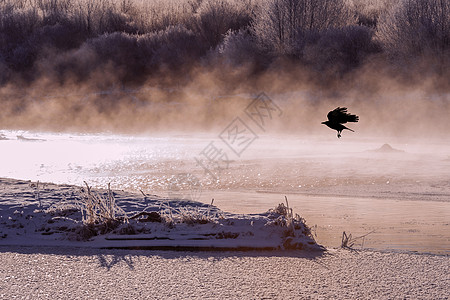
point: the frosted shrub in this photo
(216, 17)
(238, 48)
(339, 49)
(367, 12)
(173, 47)
(115, 47)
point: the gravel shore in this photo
(82, 273)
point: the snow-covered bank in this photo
(61, 215)
(416, 226)
(83, 273)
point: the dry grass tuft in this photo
(98, 209)
(100, 214)
(348, 241)
(292, 222)
(187, 215)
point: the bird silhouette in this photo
(339, 116)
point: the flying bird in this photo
(338, 117)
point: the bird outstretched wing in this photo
(340, 115)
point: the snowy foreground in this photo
(61, 215)
(86, 273)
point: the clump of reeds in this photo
(100, 214)
(97, 209)
(292, 222)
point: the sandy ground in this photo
(63, 273)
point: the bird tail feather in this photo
(352, 118)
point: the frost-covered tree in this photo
(279, 23)
(415, 28)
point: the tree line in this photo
(134, 41)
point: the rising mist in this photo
(138, 66)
